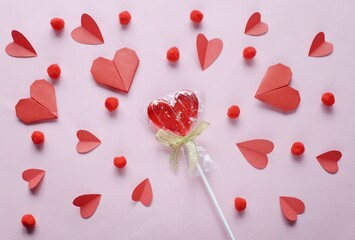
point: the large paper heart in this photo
(329, 160)
(87, 141)
(255, 26)
(40, 106)
(33, 177)
(143, 193)
(208, 51)
(20, 47)
(319, 47)
(291, 207)
(88, 204)
(176, 115)
(89, 32)
(119, 73)
(255, 151)
(275, 90)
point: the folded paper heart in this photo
(33, 177)
(255, 151)
(255, 26)
(89, 32)
(40, 106)
(275, 90)
(88, 204)
(319, 47)
(208, 50)
(329, 160)
(143, 193)
(87, 141)
(291, 207)
(20, 47)
(119, 73)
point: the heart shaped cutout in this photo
(319, 47)
(88, 204)
(41, 106)
(33, 177)
(208, 51)
(87, 141)
(254, 151)
(143, 193)
(20, 47)
(274, 89)
(291, 207)
(177, 115)
(329, 160)
(255, 26)
(119, 73)
(89, 32)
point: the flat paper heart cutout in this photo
(255, 26)
(143, 193)
(119, 73)
(177, 115)
(291, 207)
(33, 177)
(254, 151)
(319, 47)
(88, 204)
(40, 106)
(89, 32)
(208, 51)
(275, 90)
(329, 160)
(20, 47)
(87, 141)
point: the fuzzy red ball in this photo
(196, 16)
(120, 162)
(249, 52)
(240, 204)
(111, 103)
(297, 148)
(124, 17)
(328, 99)
(57, 23)
(54, 71)
(173, 54)
(28, 221)
(37, 137)
(233, 112)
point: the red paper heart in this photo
(88, 204)
(87, 141)
(119, 73)
(255, 26)
(41, 106)
(89, 32)
(143, 193)
(33, 177)
(255, 151)
(291, 207)
(176, 116)
(208, 51)
(319, 47)
(20, 47)
(329, 160)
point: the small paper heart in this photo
(255, 26)
(319, 47)
(20, 47)
(255, 151)
(33, 177)
(89, 32)
(88, 204)
(291, 207)
(87, 141)
(208, 50)
(329, 160)
(143, 193)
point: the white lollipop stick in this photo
(214, 200)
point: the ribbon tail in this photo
(174, 157)
(193, 154)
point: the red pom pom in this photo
(196, 16)
(233, 112)
(111, 103)
(328, 99)
(120, 162)
(28, 221)
(57, 24)
(297, 148)
(240, 204)
(124, 17)
(54, 71)
(173, 54)
(249, 52)
(37, 137)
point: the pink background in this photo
(181, 208)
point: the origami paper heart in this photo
(319, 47)
(87, 141)
(33, 177)
(291, 207)
(274, 89)
(143, 193)
(40, 106)
(119, 73)
(329, 160)
(20, 47)
(254, 26)
(255, 151)
(88, 204)
(208, 51)
(88, 32)
(176, 116)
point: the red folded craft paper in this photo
(87, 141)
(329, 160)
(255, 26)
(33, 177)
(255, 151)
(20, 47)
(208, 50)
(88, 204)
(291, 207)
(89, 32)
(319, 47)
(143, 193)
